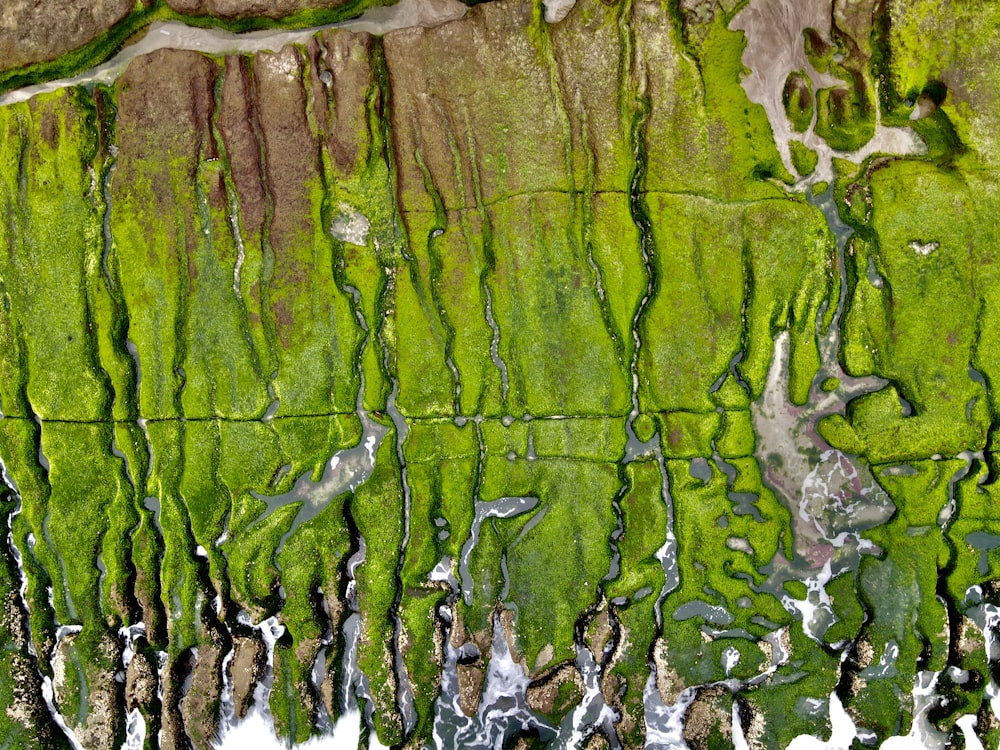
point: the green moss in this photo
(635, 590)
(736, 437)
(804, 159)
(796, 588)
(686, 435)
(720, 551)
(797, 96)
(569, 541)
(845, 117)
(541, 276)
(915, 322)
(44, 187)
(783, 703)
(588, 439)
(829, 385)
(819, 52)
(376, 511)
(645, 427)
(849, 612)
(703, 135)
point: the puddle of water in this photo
(344, 472)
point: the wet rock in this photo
(668, 682)
(470, 687)
(599, 633)
(200, 705)
(596, 742)
(249, 661)
(140, 681)
(342, 66)
(557, 692)
(27, 709)
(89, 688)
(174, 678)
(708, 722)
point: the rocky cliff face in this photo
(595, 373)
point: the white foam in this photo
(257, 732)
(842, 733)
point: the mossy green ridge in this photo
(797, 96)
(635, 591)
(489, 268)
(721, 548)
(376, 510)
(26, 722)
(48, 144)
(915, 316)
(67, 532)
(568, 539)
(441, 462)
(730, 277)
(803, 158)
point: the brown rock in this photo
(32, 31)
(249, 660)
(345, 58)
(478, 142)
(543, 695)
(140, 682)
(173, 735)
(238, 9)
(236, 124)
(470, 687)
(708, 718)
(200, 706)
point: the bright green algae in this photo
(612, 184)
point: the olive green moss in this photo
(569, 541)
(845, 117)
(783, 701)
(917, 324)
(743, 272)
(376, 510)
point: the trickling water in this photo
(592, 714)
(503, 709)
(504, 507)
(498, 361)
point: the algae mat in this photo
(603, 375)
